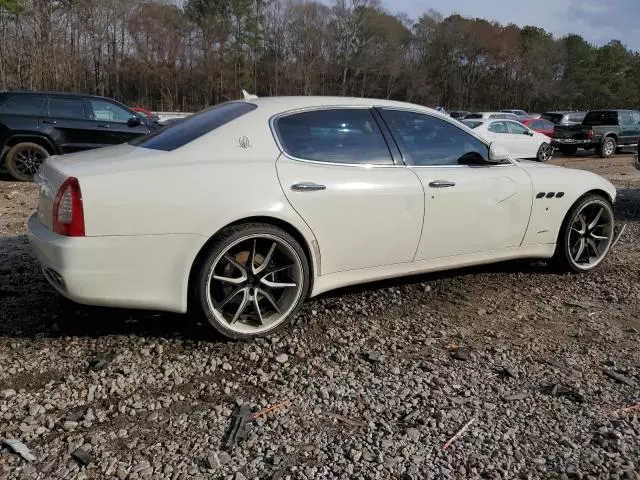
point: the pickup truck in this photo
(605, 130)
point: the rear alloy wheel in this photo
(586, 235)
(545, 153)
(608, 147)
(24, 159)
(253, 281)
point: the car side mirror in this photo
(527, 132)
(134, 121)
(497, 154)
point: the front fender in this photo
(555, 191)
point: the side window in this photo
(108, 112)
(427, 140)
(498, 127)
(636, 117)
(64, 107)
(517, 128)
(625, 118)
(576, 117)
(338, 135)
(24, 105)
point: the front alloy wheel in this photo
(545, 152)
(587, 234)
(253, 281)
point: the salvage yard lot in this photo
(374, 378)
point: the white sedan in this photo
(247, 208)
(519, 140)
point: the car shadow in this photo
(31, 308)
(627, 207)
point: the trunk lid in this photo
(56, 169)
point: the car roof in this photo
(55, 94)
(276, 105)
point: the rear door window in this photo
(193, 127)
(66, 107)
(339, 135)
(601, 118)
(23, 105)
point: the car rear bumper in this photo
(142, 271)
(569, 142)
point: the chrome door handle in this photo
(104, 125)
(50, 122)
(442, 184)
(307, 187)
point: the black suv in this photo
(34, 125)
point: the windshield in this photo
(177, 134)
(472, 123)
(552, 117)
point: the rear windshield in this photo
(474, 115)
(552, 117)
(601, 118)
(471, 123)
(187, 130)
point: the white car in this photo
(488, 115)
(249, 207)
(519, 140)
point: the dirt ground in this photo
(550, 327)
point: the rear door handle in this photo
(442, 184)
(52, 122)
(103, 125)
(307, 187)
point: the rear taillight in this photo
(590, 134)
(68, 213)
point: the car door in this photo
(629, 128)
(66, 119)
(338, 173)
(498, 132)
(525, 144)
(635, 116)
(111, 121)
(471, 206)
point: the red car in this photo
(539, 125)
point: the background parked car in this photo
(604, 130)
(488, 115)
(565, 117)
(521, 114)
(148, 114)
(35, 125)
(458, 114)
(540, 125)
(518, 139)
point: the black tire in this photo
(545, 152)
(562, 257)
(24, 159)
(608, 147)
(223, 240)
(568, 151)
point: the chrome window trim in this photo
(452, 121)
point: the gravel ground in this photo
(377, 377)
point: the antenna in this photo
(248, 96)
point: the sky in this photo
(598, 21)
